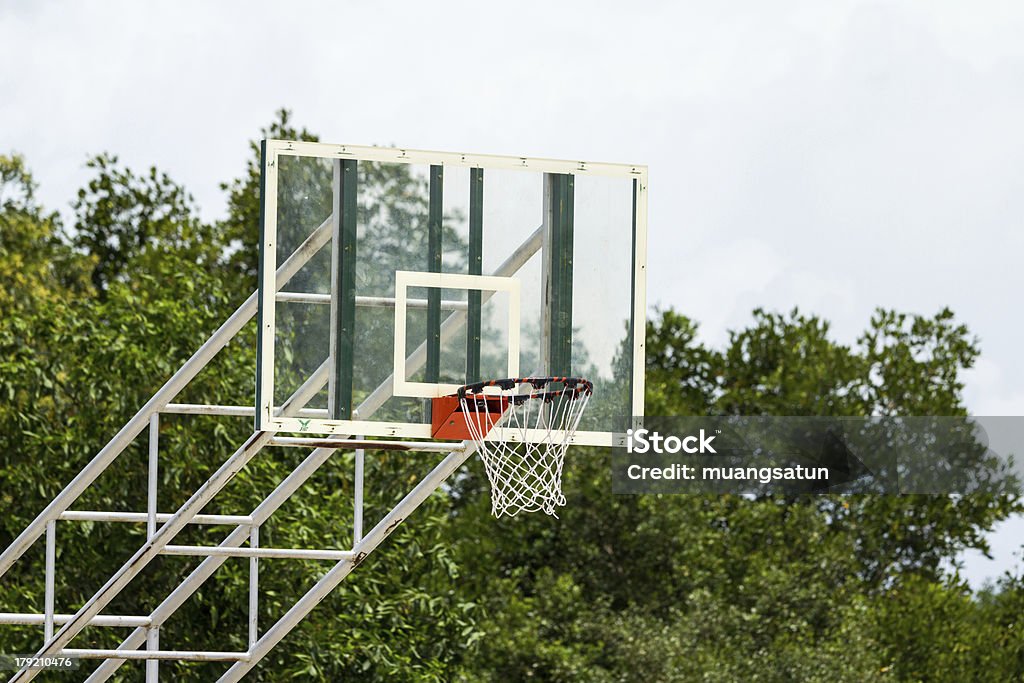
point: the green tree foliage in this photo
(734, 589)
(137, 225)
(36, 266)
(621, 588)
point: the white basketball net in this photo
(526, 473)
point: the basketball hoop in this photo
(525, 465)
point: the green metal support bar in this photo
(476, 251)
(433, 369)
(632, 293)
(560, 350)
(345, 286)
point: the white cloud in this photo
(990, 391)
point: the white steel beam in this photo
(230, 411)
(217, 341)
(337, 574)
(137, 517)
(269, 553)
(417, 156)
(368, 301)
(640, 296)
(152, 548)
(187, 655)
(254, 586)
(153, 645)
(153, 479)
(184, 590)
(357, 496)
(236, 538)
(349, 444)
(144, 555)
(49, 579)
(32, 619)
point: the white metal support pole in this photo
(39, 619)
(236, 538)
(153, 644)
(185, 514)
(337, 574)
(144, 555)
(154, 449)
(640, 294)
(153, 633)
(254, 587)
(51, 570)
(357, 512)
(299, 476)
(171, 388)
(368, 301)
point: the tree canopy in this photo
(95, 316)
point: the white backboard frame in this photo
(274, 149)
(485, 283)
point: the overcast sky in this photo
(834, 156)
